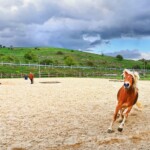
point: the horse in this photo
(127, 96)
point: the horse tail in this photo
(139, 105)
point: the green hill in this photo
(81, 63)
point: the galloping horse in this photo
(127, 96)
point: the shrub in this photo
(1, 55)
(31, 56)
(46, 62)
(36, 48)
(69, 60)
(59, 53)
(56, 62)
(148, 67)
(136, 67)
(90, 63)
(9, 58)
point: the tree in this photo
(119, 57)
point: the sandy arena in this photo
(69, 114)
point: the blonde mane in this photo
(134, 74)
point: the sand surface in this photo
(69, 114)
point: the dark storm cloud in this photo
(97, 42)
(72, 24)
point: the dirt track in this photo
(69, 114)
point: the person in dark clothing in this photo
(31, 77)
(26, 77)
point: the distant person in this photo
(26, 77)
(31, 77)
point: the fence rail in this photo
(100, 71)
(71, 67)
(80, 74)
(44, 65)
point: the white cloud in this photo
(91, 38)
(145, 55)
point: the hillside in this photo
(95, 65)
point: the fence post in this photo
(39, 71)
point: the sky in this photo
(108, 27)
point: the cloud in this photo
(91, 38)
(72, 24)
(127, 54)
(145, 56)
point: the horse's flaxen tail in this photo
(136, 78)
(139, 105)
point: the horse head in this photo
(130, 79)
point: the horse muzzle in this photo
(126, 85)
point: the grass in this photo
(58, 56)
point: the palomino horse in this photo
(127, 96)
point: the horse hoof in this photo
(120, 129)
(110, 131)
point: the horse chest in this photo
(127, 96)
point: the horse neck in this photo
(132, 89)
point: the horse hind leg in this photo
(120, 128)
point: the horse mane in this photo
(134, 74)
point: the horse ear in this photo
(125, 73)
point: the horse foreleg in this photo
(120, 128)
(110, 130)
(121, 114)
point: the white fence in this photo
(71, 67)
(78, 74)
(41, 65)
